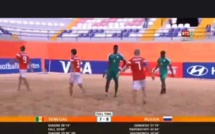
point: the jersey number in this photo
(24, 58)
(139, 65)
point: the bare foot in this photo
(115, 95)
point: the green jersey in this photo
(114, 61)
(163, 65)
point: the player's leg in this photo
(71, 84)
(136, 87)
(23, 77)
(71, 88)
(108, 80)
(116, 81)
(26, 84)
(143, 87)
(20, 82)
(163, 83)
(80, 83)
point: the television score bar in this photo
(104, 116)
(106, 123)
(109, 115)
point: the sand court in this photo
(50, 96)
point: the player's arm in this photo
(170, 67)
(109, 61)
(148, 68)
(30, 65)
(128, 64)
(157, 66)
(104, 74)
(124, 61)
(72, 65)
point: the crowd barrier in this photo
(6, 67)
(180, 70)
(99, 67)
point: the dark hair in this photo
(22, 48)
(163, 53)
(74, 51)
(115, 46)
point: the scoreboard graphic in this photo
(187, 35)
(106, 123)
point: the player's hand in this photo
(153, 77)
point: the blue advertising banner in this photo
(88, 67)
(199, 70)
(7, 68)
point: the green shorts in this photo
(112, 75)
(163, 76)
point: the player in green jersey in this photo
(114, 69)
(163, 63)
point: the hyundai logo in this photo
(197, 70)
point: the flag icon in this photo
(39, 119)
(167, 118)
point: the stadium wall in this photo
(176, 51)
(190, 60)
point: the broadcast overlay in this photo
(49, 109)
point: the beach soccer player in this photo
(163, 63)
(24, 64)
(139, 67)
(113, 71)
(76, 74)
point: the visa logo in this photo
(86, 68)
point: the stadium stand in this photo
(30, 28)
(172, 30)
(96, 28)
(108, 27)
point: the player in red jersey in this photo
(138, 66)
(75, 77)
(24, 62)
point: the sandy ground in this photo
(50, 96)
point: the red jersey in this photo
(138, 67)
(75, 64)
(23, 59)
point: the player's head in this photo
(137, 52)
(163, 53)
(115, 48)
(22, 48)
(74, 51)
